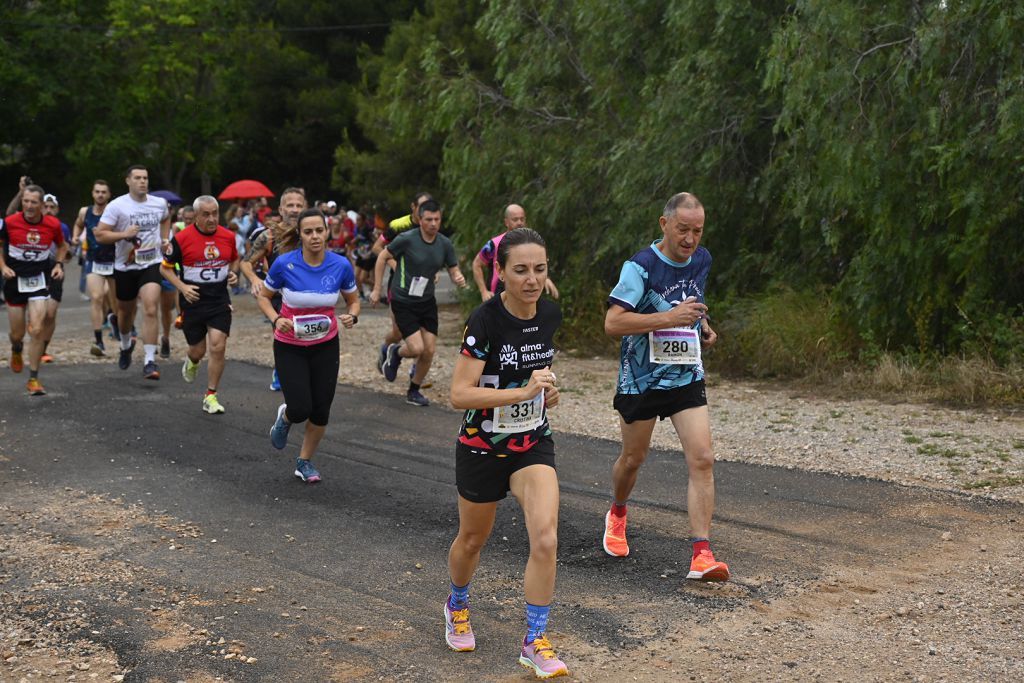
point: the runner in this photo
(138, 224)
(306, 347)
(419, 254)
(395, 227)
(99, 263)
(503, 380)
(514, 217)
(658, 309)
(266, 248)
(186, 216)
(27, 237)
(206, 255)
(51, 207)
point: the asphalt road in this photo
(365, 550)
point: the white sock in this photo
(150, 352)
(126, 341)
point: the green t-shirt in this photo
(417, 264)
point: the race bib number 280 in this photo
(675, 346)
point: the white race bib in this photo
(31, 283)
(675, 346)
(147, 256)
(311, 327)
(520, 417)
(418, 286)
(102, 268)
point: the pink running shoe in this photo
(541, 657)
(457, 631)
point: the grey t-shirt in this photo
(417, 261)
(124, 212)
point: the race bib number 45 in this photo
(311, 327)
(520, 417)
(675, 346)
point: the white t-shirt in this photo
(145, 250)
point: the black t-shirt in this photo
(511, 350)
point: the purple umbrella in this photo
(168, 195)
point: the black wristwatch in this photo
(355, 318)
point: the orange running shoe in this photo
(615, 535)
(46, 358)
(704, 567)
(178, 322)
(17, 364)
(34, 387)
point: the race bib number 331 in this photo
(675, 346)
(520, 417)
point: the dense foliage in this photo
(867, 156)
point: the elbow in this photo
(458, 399)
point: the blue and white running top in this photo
(650, 282)
(309, 295)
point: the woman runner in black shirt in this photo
(503, 380)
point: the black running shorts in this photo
(197, 321)
(485, 478)
(410, 317)
(127, 283)
(18, 299)
(660, 403)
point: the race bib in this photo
(520, 417)
(418, 286)
(103, 268)
(148, 256)
(311, 327)
(31, 283)
(675, 346)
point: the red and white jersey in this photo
(204, 261)
(27, 245)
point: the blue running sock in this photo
(536, 621)
(459, 598)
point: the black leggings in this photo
(308, 376)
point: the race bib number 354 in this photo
(311, 327)
(675, 346)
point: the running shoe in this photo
(124, 361)
(704, 567)
(457, 631)
(615, 535)
(151, 370)
(416, 398)
(34, 387)
(275, 384)
(541, 657)
(165, 347)
(382, 357)
(189, 370)
(279, 432)
(46, 358)
(17, 363)
(178, 322)
(98, 349)
(211, 405)
(115, 331)
(305, 471)
(391, 363)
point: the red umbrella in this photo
(245, 189)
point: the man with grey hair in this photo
(658, 309)
(514, 217)
(208, 259)
(138, 224)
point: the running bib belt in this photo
(675, 346)
(147, 256)
(31, 283)
(311, 327)
(520, 417)
(103, 268)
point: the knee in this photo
(35, 329)
(415, 348)
(701, 461)
(218, 348)
(632, 458)
(149, 306)
(297, 412)
(471, 543)
(544, 544)
(427, 352)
